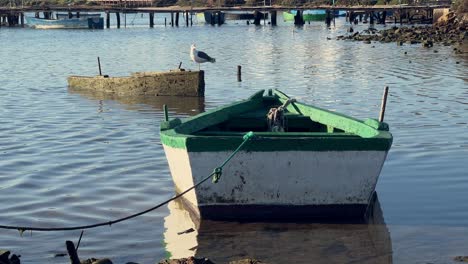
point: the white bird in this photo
(199, 56)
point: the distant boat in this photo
(307, 15)
(303, 162)
(66, 23)
(213, 17)
(82, 15)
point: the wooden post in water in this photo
(99, 65)
(191, 19)
(172, 19)
(165, 21)
(78, 14)
(220, 21)
(298, 19)
(273, 15)
(384, 17)
(151, 19)
(239, 73)
(74, 259)
(257, 18)
(107, 19)
(117, 14)
(22, 19)
(177, 19)
(383, 105)
(371, 18)
(186, 19)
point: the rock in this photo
(102, 261)
(190, 260)
(367, 41)
(247, 261)
(400, 43)
(461, 258)
(436, 51)
(15, 259)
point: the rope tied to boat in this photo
(276, 120)
(216, 174)
(219, 170)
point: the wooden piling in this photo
(328, 17)
(239, 73)
(218, 16)
(99, 65)
(172, 19)
(107, 19)
(78, 14)
(151, 19)
(165, 21)
(74, 259)
(22, 19)
(384, 17)
(371, 18)
(299, 19)
(257, 18)
(177, 19)
(273, 15)
(186, 19)
(117, 14)
(383, 105)
(191, 19)
(70, 14)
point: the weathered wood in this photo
(165, 21)
(172, 19)
(384, 17)
(239, 73)
(78, 14)
(117, 14)
(383, 105)
(273, 15)
(371, 18)
(22, 19)
(177, 19)
(186, 19)
(74, 259)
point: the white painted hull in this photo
(284, 179)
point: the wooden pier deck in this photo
(15, 15)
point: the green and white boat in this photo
(304, 162)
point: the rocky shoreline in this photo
(451, 31)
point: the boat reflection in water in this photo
(221, 242)
(180, 105)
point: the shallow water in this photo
(74, 158)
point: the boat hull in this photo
(73, 23)
(278, 185)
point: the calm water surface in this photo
(74, 158)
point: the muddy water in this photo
(73, 158)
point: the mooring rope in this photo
(215, 173)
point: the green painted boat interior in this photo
(311, 127)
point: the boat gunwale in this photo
(365, 135)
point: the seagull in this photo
(199, 56)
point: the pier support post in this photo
(186, 19)
(107, 19)
(117, 14)
(298, 19)
(78, 14)
(177, 19)
(151, 20)
(172, 19)
(165, 21)
(22, 19)
(257, 18)
(384, 17)
(219, 17)
(328, 17)
(273, 15)
(371, 18)
(70, 14)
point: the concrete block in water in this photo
(175, 83)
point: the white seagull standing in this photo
(199, 56)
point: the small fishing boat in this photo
(307, 15)
(304, 162)
(66, 23)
